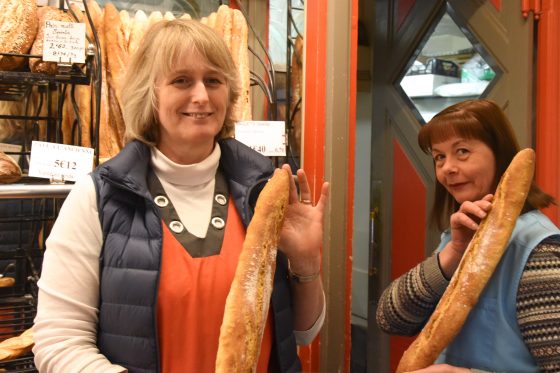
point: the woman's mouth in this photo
(456, 185)
(198, 115)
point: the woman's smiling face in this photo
(192, 102)
(465, 167)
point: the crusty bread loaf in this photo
(46, 13)
(116, 47)
(108, 137)
(14, 347)
(18, 28)
(296, 91)
(224, 23)
(240, 55)
(82, 94)
(476, 267)
(137, 31)
(248, 300)
(168, 16)
(6, 282)
(10, 172)
(212, 19)
(154, 17)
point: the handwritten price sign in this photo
(64, 42)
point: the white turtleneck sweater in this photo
(65, 329)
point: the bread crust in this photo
(116, 47)
(476, 267)
(10, 172)
(14, 347)
(248, 301)
(18, 28)
(240, 54)
(46, 13)
(108, 136)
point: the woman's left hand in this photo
(302, 233)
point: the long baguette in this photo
(477, 265)
(248, 301)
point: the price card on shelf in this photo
(59, 162)
(64, 42)
(266, 137)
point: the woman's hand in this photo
(302, 233)
(463, 225)
(442, 368)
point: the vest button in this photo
(161, 201)
(218, 223)
(221, 199)
(176, 226)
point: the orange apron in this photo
(191, 299)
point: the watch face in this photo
(196, 8)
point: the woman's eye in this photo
(179, 81)
(462, 152)
(438, 157)
(213, 81)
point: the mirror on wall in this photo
(449, 68)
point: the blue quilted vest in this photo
(131, 255)
(491, 340)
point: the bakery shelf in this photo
(25, 190)
(75, 76)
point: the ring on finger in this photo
(306, 201)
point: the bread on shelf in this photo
(18, 29)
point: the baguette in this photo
(82, 95)
(240, 54)
(247, 303)
(154, 17)
(476, 267)
(297, 84)
(116, 47)
(137, 31)
(108, 137)
(224, 23)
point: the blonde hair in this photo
(163, 44)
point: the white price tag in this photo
(59, 162)
(266, 137)
(64, 42)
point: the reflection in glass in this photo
(447, 70)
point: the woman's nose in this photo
(449, 166)
(199, 93)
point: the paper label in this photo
(266, 137)
(59, 161)
(64, 42)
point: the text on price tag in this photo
(59, 161)
(266, 137)
(64, 42)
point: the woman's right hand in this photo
(463, 224)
